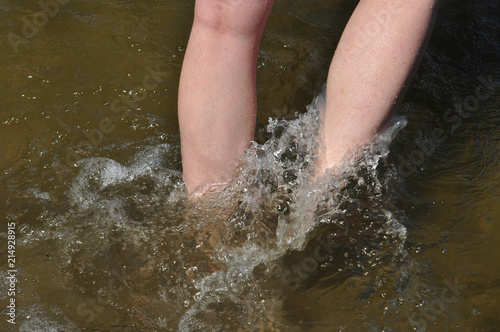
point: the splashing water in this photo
(233, 260)
(280, 214)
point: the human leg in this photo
(379, 50)
(217, 90)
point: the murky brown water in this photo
(406, 239)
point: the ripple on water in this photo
(132, 243)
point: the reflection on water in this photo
(404, 238)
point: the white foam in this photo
(281, 167)
(271, 209)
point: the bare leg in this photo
(373, 64)
(217, 96)
(217, 92)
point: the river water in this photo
(405, 238)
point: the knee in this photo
(239, 17)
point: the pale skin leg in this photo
(373, 65)
(217, 93)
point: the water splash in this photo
(281, 212)
(236, 259)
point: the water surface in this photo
(403, 239)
